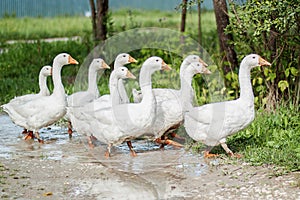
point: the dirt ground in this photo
(64, 168)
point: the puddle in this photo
(58, 146)
(146, 175)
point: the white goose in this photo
(84, 97)
(45, 110)
(171, 102)
(213, 123)
(123, 59)
(123, 122)
(82, 117)
(44, 91)
(103, 101)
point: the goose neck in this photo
(246, 91)
(92, 82)
(56, 76)
(113, 88)
(146, 83)
(43, 85)
(183, 66)
(186, 90)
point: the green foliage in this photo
(270, 29)
(21, 63)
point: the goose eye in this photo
(198, 65)
(157, 60)
(124, 56)
(123, 69)
(195, 58)
(253, 57)
(65, 55)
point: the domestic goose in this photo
(84, 97)
(124, 122)
(213, 123)
(44, 91)
(45, 110)
(84, 117)
(169, 112)
(170, 102)
(121, 60)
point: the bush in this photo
(270, 29)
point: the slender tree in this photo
(99, 12)
(199, 22)
(183, 15)
(222, 20)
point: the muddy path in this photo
(64, 168)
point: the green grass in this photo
(36, 28)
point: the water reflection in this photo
(146, 175)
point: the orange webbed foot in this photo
(210, 155)
(235, 155)
(168, 142)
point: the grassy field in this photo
(272, 138)
(37, 28)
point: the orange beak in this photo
(130, 75)
(72, 60)
(263, 62)
(165, 66)
(203, 63)
(206, 71)
(131, 59)
(104, 65)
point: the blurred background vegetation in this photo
(268, 28)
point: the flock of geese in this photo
(155, 113)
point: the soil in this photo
(65, 168)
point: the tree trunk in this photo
(99, 18)
(93, 15)
(222, 19)
(199, 22)
(183, 16)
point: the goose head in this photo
(197, 68)
(124, 58)
(194, 58)
(253, 60)
(46, 71)
(64, 59)
(156, 63)
(124, 73)
(99, 64)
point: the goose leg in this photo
(107, 153)
(175, 135)
(37, 135)
(132, 152)
(29, 135)
(167, 142)
(90, 142)
(229, 152)
(70, 131)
